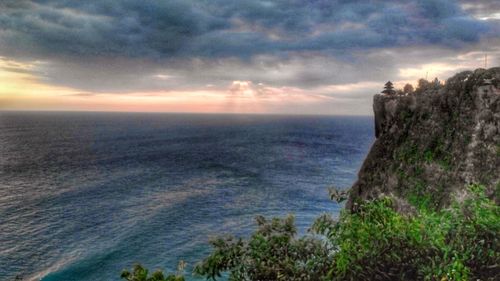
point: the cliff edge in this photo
(434, 142)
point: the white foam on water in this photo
(54, 267)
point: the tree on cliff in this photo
(389, 88)
(422, 84)
(408, 89)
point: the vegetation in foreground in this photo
(140, 273)
(375, 243)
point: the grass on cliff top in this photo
(375, 243)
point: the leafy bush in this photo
(374, 243)
(139, 273)
(377, 243)
(272, 253)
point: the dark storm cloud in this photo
(162, 29)
(102, 28)
(134, 40)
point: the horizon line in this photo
(178, 112)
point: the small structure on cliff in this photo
(389, 89)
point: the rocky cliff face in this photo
(433, 143)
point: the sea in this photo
(85, 195)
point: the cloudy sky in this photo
(233, 56)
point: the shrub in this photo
(378, 243)
(272, 253)
(140, 273)
(373, 243)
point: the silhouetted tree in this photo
(423, 85)
(389, 88)
(436, 83)
(408, 89)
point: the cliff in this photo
(433, 143)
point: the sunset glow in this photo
(260, 66)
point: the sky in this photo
(234, 56)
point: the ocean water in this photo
(85, 195)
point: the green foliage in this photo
(497, 190)
(140, 273)
(378, 243)
(429, 156)
(272, 253)
(422, 201)
(373, 243)
(415, 161)
(441, 155)
(405, 115)
(409, 154)
(417, 192)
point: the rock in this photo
(434, 143)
